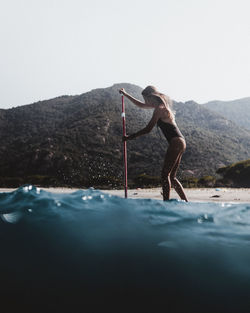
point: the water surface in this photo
(89, 251)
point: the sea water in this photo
(89, 251)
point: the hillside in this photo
(236, 175)
(237, 111)
(76, 140)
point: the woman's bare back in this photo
(165, 116)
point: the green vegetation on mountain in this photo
(76, 141)
(237, 111)
(236, 175)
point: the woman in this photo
(164, 117)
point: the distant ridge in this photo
(237, 111)
(76, 140)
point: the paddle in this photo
(124, 149)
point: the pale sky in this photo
(189, 49)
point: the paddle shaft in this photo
(124, 149)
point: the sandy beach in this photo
(235, 195)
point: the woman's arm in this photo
(135, 101)
(146, 129)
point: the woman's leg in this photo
(171, 158)
(175, 182)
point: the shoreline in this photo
(233, 195)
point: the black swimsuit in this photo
(169, 130)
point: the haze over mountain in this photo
(76, 140)
(237, 111)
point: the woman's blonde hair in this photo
(151, 91)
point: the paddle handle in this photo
(124, 149)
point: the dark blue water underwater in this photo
(92, 252)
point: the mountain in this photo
(76, 141)
(237, 111)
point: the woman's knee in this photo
(165, 174)
(172, 178)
